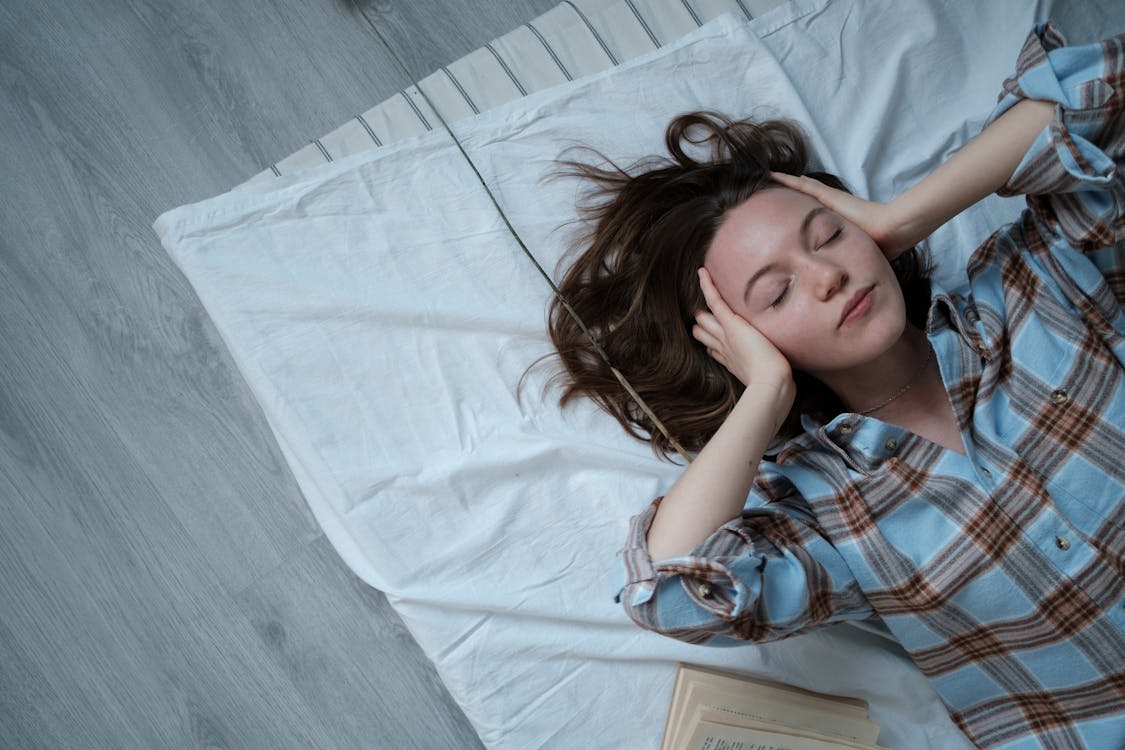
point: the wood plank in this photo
(428, 34)
(154, 544)
(350, 656)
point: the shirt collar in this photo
(863, 443)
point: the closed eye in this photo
(833, 237)
(780, 297)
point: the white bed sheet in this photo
(382, 316)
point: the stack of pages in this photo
(714, 710)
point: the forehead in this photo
(765, 224)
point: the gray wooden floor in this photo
(162, 583)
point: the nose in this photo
(830, 278)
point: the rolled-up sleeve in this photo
(1070, 174)
(763, 576)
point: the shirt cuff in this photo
(634, 567)
(705, 583)
(1064, 157)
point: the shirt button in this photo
(705, 590)
(984, 470)
(891, 444)
(846, 429)
(1062, 543)
(1059, 396)
(971, 314)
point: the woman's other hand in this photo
(877, 219)
(981, 167)
(739, 347)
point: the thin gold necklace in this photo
(909, 383)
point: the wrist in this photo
(981, 167)
(908, 221)
(768, 400)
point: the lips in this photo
(858, 304)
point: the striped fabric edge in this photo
(574, 39)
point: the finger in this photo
(710, 325)
(784, 178)
(803, 184)
(840, 201)
(708, 322)
(707, 339)
(711, 294)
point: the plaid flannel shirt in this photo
(999, 571)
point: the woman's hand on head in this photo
(879, 220)
(738, 346)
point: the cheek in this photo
(789, 336)
(897, 302)
(798, 350)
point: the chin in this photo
(838, 356)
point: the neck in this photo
(881, 381)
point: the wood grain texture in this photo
(162, 582)
(424, 40)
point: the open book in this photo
(714, 710)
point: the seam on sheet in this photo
(417, 111)
(461, 88)
(370, 132)
(550, 51)
(323, 151)
(794, 10)
(605, 48)
(691, 12)
(509, 71)
(275, 170)
(644, 24)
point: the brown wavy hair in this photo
(634, 282)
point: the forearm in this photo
(713, 488)
(977, 170)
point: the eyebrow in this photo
(804, 232)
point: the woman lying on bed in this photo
(950, 462)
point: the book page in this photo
(791, 693)
(706, 715)
(783, 709)
(711, 736)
